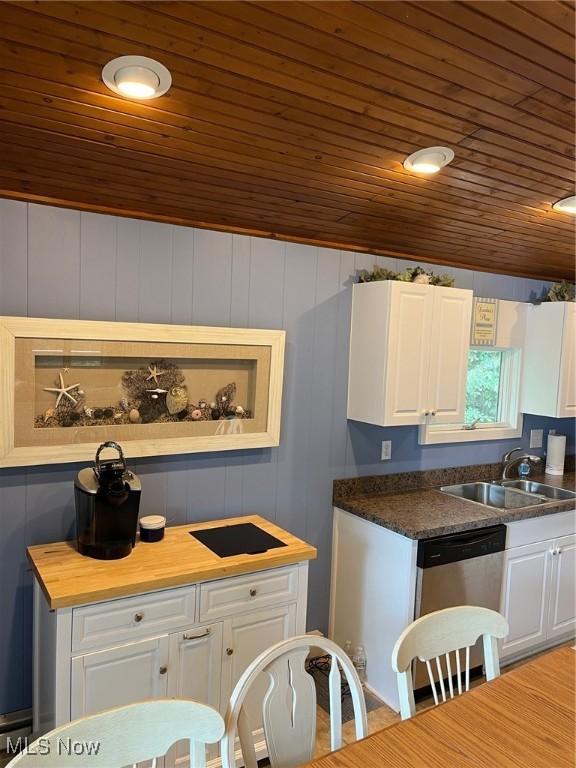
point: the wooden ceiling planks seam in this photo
(291, 119)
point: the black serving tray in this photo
(237, 539)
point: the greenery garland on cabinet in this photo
(408, 275)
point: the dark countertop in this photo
(421, 513)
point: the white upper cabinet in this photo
(408, 353)
(549, 376)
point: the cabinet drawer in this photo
(239, 593)
(132, 617)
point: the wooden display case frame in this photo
(14, 328)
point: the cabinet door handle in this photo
(197, 636)
(432, 413)
(138, 617)
(559, 551)
(426, 413)
(163, 670)
(253, 592)
(229, 651)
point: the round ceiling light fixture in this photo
(566, 205)
(429, 160)
(137, 77)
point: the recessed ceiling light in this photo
(429, 160)
(137, 77)
(566, 205)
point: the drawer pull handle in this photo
(253, 592)
(191, 636)
(229, 651)
(163, 670)
(138, 617)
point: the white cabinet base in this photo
(78, 672)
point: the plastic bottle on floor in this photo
(359, 660)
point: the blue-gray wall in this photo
(62, 263)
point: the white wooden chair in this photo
(126, 736)
(289, 704)
(439, 634)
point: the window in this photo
(483, 386)
(491, 409)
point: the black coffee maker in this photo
(107, 502)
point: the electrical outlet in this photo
(386, 450)
(536, 437)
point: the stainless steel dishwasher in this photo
(459, 569)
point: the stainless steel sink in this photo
(550, 492)
(492, 495)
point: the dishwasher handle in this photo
(442, 550)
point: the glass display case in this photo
(154, 389)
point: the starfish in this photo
(154, 373)
(62, 391)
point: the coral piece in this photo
(137, 383)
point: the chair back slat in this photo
(290, 700)
(449, 672)
(432, 683)
(289, 705)
(439, 634)
(335, 687)
(440, 678)
(459, 671)
(129, 735)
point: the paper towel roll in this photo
(555, 454)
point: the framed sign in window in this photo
(68, 385)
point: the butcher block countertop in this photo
(410, 505)
(69, 579)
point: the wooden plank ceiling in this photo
(292, 119)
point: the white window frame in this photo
(510, 418)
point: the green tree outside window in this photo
(483, 386)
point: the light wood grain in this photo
(286, 120)
(524, 718)
(14, 328)
(69, 579)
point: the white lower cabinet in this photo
(188, 658)
(562, 618)
(119, 676)
(538, 596)
(245, 637)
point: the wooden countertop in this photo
(524, 718)
(68, 578)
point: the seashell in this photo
(176, 399)
(118, 415)
(124, 404)
(212, 405)
(80, 392)
(89, 412)
(239, 410)
(154, 396)
(49, 414)
(134, 416)
(196, 414)
(425, 279)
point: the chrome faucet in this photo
(509, 460)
